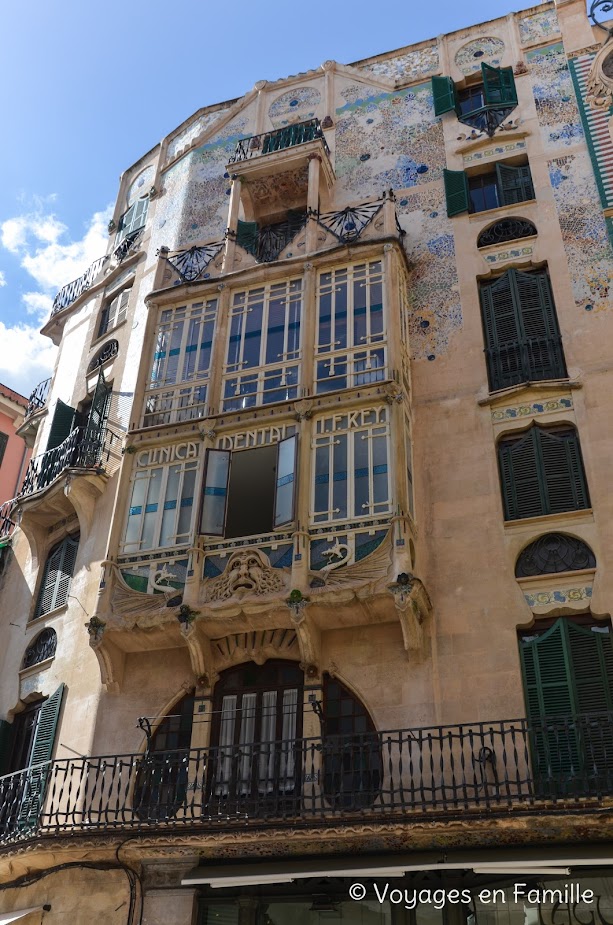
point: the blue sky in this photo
(95, 86)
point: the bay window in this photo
(161, 507)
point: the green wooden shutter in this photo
(521, 477)
(42, 750)
(543, 357)
(514, 184)
(502, 333)
(59, 569)
(562, 467)
(134, 218)
(61, 425)
(91, 447)
(498, 86)
(443, 93)
(456, 191)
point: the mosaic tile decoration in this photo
(193, 130)
(488, 50)
(531, 409)
(410, 66)
(596, 126)
(559, 596)
(140, 185)
(512, 253)
(539, 27)
(554, 96)
(387, 140)
(295, 106)
(357, 547)
(584, 231)
(496, 151)
(433, 290)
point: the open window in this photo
(249, 492)
(501, 184)
(133, 219)
(484, 105)
(114, 310)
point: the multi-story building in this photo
(310, 584)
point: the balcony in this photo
(76, 452)
(560, 765)
(36, 403)
(279, 140)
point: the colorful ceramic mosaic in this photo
(496, 151)
(531, 409)
(539, 27)
(559, 596)
(192, 131)
(433, 291)
(409, 66)
(387, 140)
(140, 185)
(554, 96)
(511, 253)
(486, 50)
(295, 106)
(584, 231)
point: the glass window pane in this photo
(151, 509)
(186, 508)
(215, 492)
(339, 477)
(286, 463)
(361, 473)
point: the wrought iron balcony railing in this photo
(38, 398)
(7, 524)
(287, 137)
(531, 360)
(76, 452)
(406, 774)
(71, 291)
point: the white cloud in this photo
(26, 357)
(37, 303)
(55, 264)
(2, 279)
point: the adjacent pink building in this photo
(14, 454)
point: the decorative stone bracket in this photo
(413, 606)
(307, 633)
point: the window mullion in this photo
(157, 527)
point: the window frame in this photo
(127, 226)
(160, 507)
(108, 322)
(68, 549)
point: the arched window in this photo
(257, 722)
(522, 337)
(506, 229)
(161, 781)
(541, 472)
(41, 649)
(554, 552)
(106, 353)
(351, 751)
(57, 576)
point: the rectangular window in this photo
(161, 511)
(249, 492)
(177, 389)
(505, 185)
(263, 359)
(114, 311)
(132, 220)
(351, 471)
(350, 349)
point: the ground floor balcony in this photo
(560, 765)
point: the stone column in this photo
(163, 906)
(313, 202)
(235, 201)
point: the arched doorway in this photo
(255, 738)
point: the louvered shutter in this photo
(514, 184)
(498, 86)
(215, 493)
(61, 425)
(456, 191)
(562, 468)
(91, 449)
(521, 478)
(443, 94)
(543, 357)
(133, 219)
(6, 742)
(42, 750)
(285, 483)
(592, 660)
(502, 333)
(57, 576)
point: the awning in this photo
(6, 917)
(510, 862)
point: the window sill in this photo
(556, 577)
(34, 669)
(550, 385)
(547, 521)
(496, 142)
(37, 621)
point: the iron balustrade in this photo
(7, 524)
(38, 398)
(287, 137)
(533, 359)
(487, 768)
(76, 452)
(71, 291)
(121, 252)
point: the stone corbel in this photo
(111, 659)
(199, 647)
(413, 607)
(83, 496)
(600, 79)
(307, 633)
